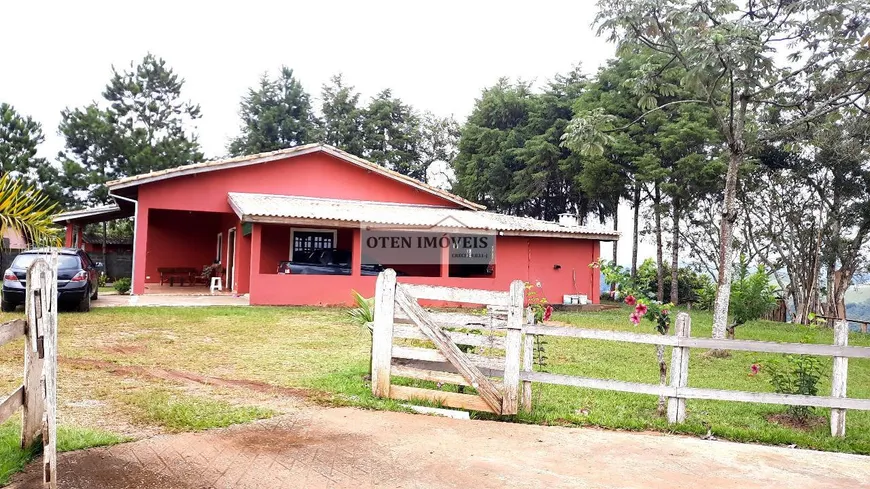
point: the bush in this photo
(798, 374)
(102, 280)
(752, 295)
(122, 285)
(691, 285)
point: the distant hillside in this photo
(858, 294)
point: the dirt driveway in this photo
(343, 447)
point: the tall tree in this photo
(439, 141)
(839, 173)
(511, 157)
(277, 114)
(96, 151)
(489, 143)
(341, 122)
(20, 137)
(392, 135)
(151, 118)
(733, 57)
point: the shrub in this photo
(752, 295)
(364, 312)
(797, 374)
(122, 285)
(102, 280)
(691, 285)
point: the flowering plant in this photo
(654, 311)
(538, 303)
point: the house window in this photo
(304, 241)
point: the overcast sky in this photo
(437, 56)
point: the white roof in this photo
(82, 213)
(267, 208)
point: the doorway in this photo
(231, 259)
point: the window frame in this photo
(294, 230)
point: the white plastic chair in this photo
(215, 284)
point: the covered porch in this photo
(183, 250)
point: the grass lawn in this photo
(13, 459)
(139, 371)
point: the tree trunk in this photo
(634, 236)
(663, 377)
(660, 273)
(675, 255)
(615, 228)
(615, 249)
(737, 148)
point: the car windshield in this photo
(63, 261)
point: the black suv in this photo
(77, 278)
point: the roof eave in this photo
(292, 152)
(305, 221)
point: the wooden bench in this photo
(180, 273)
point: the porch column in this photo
(256, 241)
(243, 260)
(140, 253)
(68, 238)
(356, 254)
(81, 237)
(594, 294)
(445, 259)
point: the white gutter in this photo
(135, 236)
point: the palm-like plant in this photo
(27, 211)
(364, 312)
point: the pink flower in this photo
(640, 309)
(630, 300)
(634, 318)
(754, 369)
(548, 312)
(665, 312)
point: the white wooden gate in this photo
(398, 316)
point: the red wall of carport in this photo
(529, 259)
(311, 175)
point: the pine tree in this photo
(341, 122)
(275, 115)
(19, 138)
(392, 135)
(141, 127)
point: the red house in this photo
(254, 212)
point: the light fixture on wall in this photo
(557, 266)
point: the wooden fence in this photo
(37, 395)
(503, 331)
(398, 316)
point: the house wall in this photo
(527, 259)
(311, 175)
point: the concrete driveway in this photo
(337, 448)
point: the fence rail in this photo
(678, 391)
(504, 379)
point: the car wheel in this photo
(95, 294)
(7, 306)
(85, 303)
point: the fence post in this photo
(49, 423)
(34, 405)
(382, 332)
(838, 379)
(513, 345)
(528, 362)
(679, 370)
